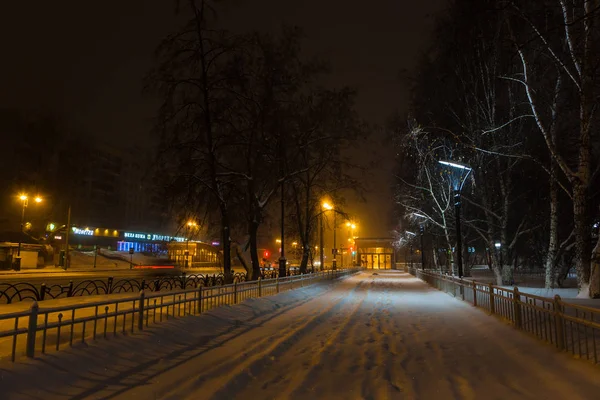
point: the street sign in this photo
(131, 250)
(334, 251)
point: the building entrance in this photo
(375, 253)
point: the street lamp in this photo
(328, 207)
(498, 246)
(351, 227)
(458, 174)
(190, 225)
(411, 247)
(25, 202)
(422, 234)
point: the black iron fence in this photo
(14, 292)
(569, 327)
(46, 329)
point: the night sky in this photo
(84, 62)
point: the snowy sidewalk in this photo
(385, 336)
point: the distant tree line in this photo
(244, 122)
(511, 88)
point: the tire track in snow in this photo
(233, 373)
(222, 340)
(302, 380)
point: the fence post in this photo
(70, 292)
(200, 300)
(474, 294)
(301, 280)
(558, 321)
(42, 292)
(277, 284)
(32, 330)
(259, 287)
(141, 311)
(462, 289)
(517, 307)
(492, 301)
(109, 285)
(235, 293)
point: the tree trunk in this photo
(253, 232)
(226, 246)
(550, 264)
(508, 274)
(595, 272)
(497, 270)
(304, 261)
(582, 233)
(240, 257)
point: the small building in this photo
(33, 254)
(198, 254)
(375, 253)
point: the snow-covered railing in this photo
(570, 327)
(42, 329)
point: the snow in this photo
(370, 336)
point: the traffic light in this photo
(266, 254)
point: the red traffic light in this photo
(266, 254)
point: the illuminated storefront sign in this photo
(152, 236)
(133, 235)
(95, 232)
(84, 232)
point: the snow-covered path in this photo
(370, 336)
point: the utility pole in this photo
(322, 259)
(459, 260)
(95, 254)
(422, 229)
(334, 244)
(282, 260)
(18, 262)
(68, 231)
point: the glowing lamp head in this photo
(327, 206)
(38, 199)
(22, 197)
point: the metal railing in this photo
(14, 292)
(569, 327)
(43, 329)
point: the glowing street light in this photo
(190, 224)
(25, 202)
(329, 207)
(458, 175)
(351, 227)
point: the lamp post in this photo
(327, 207)
(459, 177)
(321, 240)
(411, 247)
(351, 227)
(67, 232)
(190, 225)
(498, 246)
(25, 202)
(422, 234)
